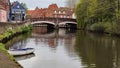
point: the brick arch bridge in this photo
(56, 22)
(43, 22)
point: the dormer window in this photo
(63, 12)
(55, 11)
(18, 6)
(59, 12)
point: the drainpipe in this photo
(9, 10)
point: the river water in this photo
(69, 49)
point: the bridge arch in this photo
(68, 24)
(43, 22)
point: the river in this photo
(69, 49)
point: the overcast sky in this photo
(31, 4)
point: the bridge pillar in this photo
(56, 26)
(56, 23)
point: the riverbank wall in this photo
(8, 32)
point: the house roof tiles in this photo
(48, 12)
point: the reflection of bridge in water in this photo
(61, 34)
(52, 37)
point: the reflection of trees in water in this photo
(98, 51)
(19, 45)
(18, 42)
(70, 30)
(69, 45)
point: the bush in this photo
(26, 28)
(108, 27)
(2, 48)
(99, 27)
(1, 37)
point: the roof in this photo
(67, 11)
(16, 4)
(53, 6)
(48, 12)
(38, 12)
(30, 12)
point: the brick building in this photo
(4, 9)
(63, 12)
(52, 11)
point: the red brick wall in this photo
(3, 15)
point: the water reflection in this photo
(19, 45)
(70, 49)
(53, 49)
(51, 37)
(18, 42)
(24, 57)
(98, 51)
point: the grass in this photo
(2, 48)
(7, 34)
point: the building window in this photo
(59, 12)
(18, 6)
(13, 11)
(63, 12)
(61, 16)
(55, 11)
(68, 17)
(55, 15)
(64, 16)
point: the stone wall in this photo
(8, 25)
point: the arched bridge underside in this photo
(43, 22)
(54, 22)
(52, 19)
(60, 25)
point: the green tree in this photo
(81, 11)
(98, 13)
(24, 5)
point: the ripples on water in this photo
(69, 49)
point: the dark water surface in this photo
(69, 49)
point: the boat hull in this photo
(21, 51)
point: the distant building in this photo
(52, 11)
(63, 12)
(4, 8)
(18, 12)
(37, 13)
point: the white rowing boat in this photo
(18, 52)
